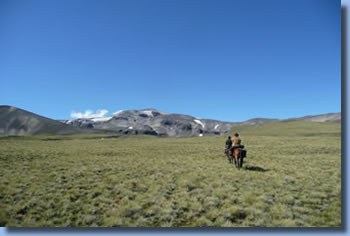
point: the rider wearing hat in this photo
(236, 140)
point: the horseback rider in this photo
(235, 151)
(228, 147)
(236, 140)
(238, 151)
(228, 143)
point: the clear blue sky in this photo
(271, 58)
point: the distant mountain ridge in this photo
(15, 121)
(154, 122)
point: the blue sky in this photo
(271, 58)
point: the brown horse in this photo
(237, 154)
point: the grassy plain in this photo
(292, 177)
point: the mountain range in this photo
(15, 121)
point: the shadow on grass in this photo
(255, 168)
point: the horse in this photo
(237, 154)
(228, 154)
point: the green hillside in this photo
(292, 128)
(292, 177)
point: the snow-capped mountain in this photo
(154, 122)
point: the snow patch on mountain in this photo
(117, 112)
(200, 123)
(148, 113)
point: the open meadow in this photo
(291, 177)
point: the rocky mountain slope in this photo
(154, 122)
